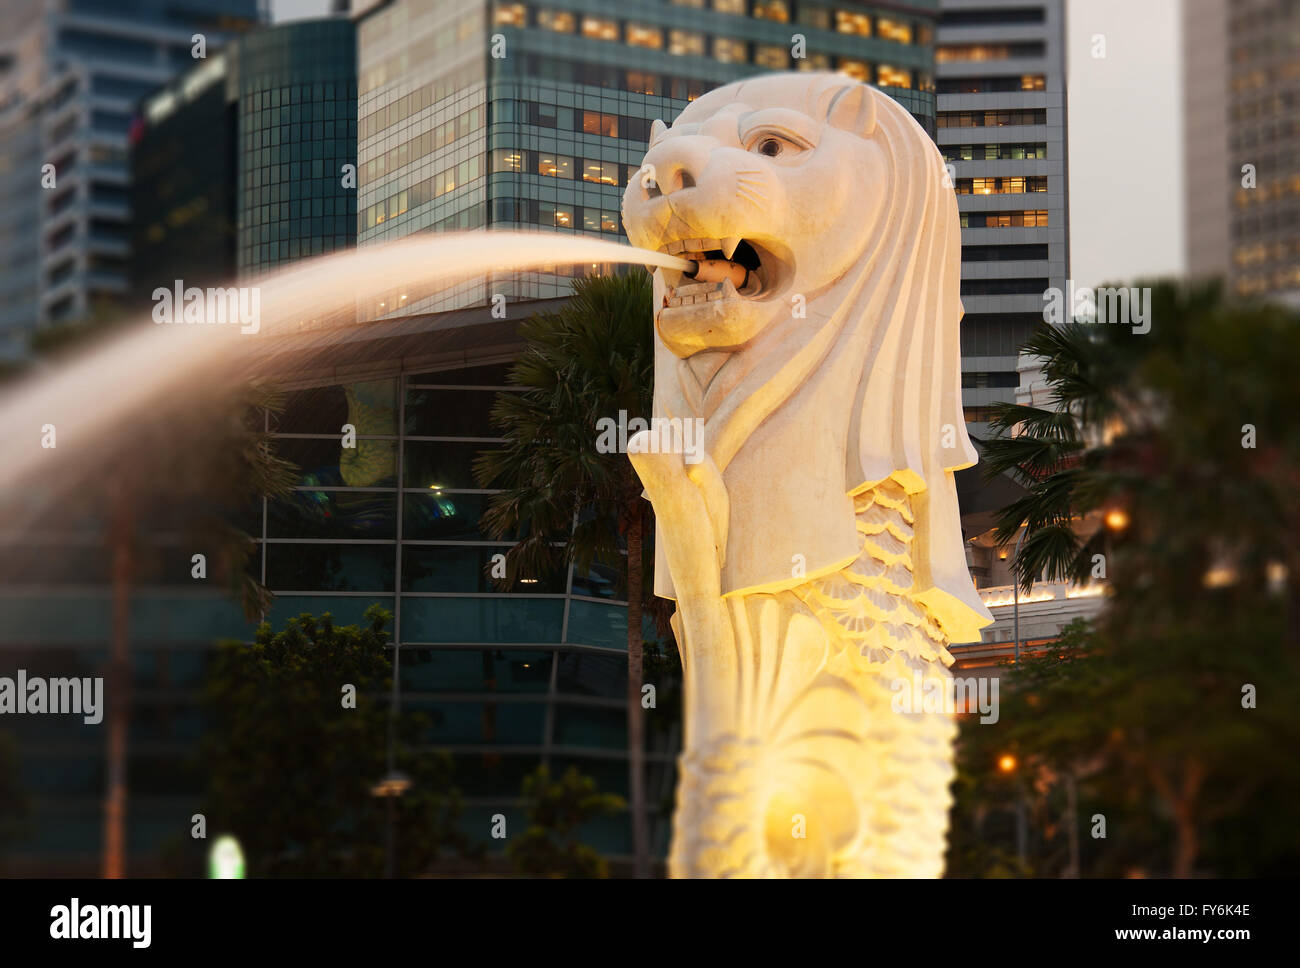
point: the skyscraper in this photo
(527, 115)
(1000, 76)
(71, 72)
(1241, 64)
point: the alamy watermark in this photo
(665, 435)
(24, 695)
(215, 305)
(945, 694)
(1083, 304)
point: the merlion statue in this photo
(813, 545)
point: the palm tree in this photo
(1174, 455)
(562, 501)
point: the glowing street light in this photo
(1117, 519)
(226, 860)
(1007, 763)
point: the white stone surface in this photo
(815, 551)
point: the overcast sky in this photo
(1125, 124)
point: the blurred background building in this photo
(71, 72)
(1242, 106)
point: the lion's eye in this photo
(770, 147)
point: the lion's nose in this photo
(674, 166)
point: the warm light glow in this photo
(1007, 763)
(1117, 519)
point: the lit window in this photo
(896, 30)
(507, 159)
(641, 35)
(729, 6)
(859, 70)
(894, 76)
(773, 56)
(777, 10)
(639, 82)
(851, 22)
(815, 16)
(1032, 82)
(728, 51)
(510, 15)
(601, 172)
(599, 28)
(560, 21)
(557, 215)
(685, 42)
(593, 122)
(815, 62)
(609, 221)
(697, 4)
(555, 166)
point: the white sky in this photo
(1125, 136)
(1125, 131)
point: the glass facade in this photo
(295, 87)
(507, 680)
(568, 91)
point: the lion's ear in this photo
(854, 109)
(657, 130)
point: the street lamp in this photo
(1015, 588)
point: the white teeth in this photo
(694, 245)
(728, 288)
(728, 246)
(708, 245)
(672, 248)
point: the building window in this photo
(1009, 185)
(729, 51)
(988, 52)
(730, 6)
(1032, 218)
(685, 42)
(593, 122)
(814, 62)
(507, 159)
(894, 76)
(852, 22)
(560, 21)
(601, 172)
(560, 216)
(643, 35)
(777, 10)
(895, 30)
(599, 28)
(773, 56)
(858, 70)
(510, 15)
(641, 82)
(554, 166)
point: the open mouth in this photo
(727, 268)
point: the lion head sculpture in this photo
(834, 364)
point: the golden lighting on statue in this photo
(812, 545)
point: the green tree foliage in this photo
(1145, 707)
(563, 501)
(556, 809)
(290, 770)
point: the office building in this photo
(1241, 63)
(1000, 77)
(71, 72)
